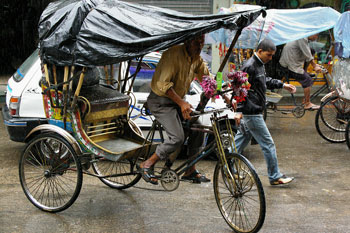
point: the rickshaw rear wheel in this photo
(124, 168)
(50, 173)
(241, 199)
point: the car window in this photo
(23, 69)
(143, 79)
(142, 85)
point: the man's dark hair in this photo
(266, 45)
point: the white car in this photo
(24, 108)
(24, 103)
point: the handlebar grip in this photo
(324, 70)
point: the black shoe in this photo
(148, 175)
(195, 178)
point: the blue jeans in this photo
(256, 127)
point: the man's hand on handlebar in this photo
(238, 116)
(289, 87)
(186, 110)
(318, 68)
(228, 102)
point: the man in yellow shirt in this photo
(174, 73)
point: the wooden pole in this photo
(47, 74)
(65, 95)
(106, 74)
(119, 75)
(222, 66)
(77, 90)
(112, 75)
(54, 74)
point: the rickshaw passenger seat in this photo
(98, 94)
(105, 102)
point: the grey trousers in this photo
(168, 114)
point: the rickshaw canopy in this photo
(102, 32)
(342, 33)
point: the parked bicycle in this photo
(332, 118)
(298, 110)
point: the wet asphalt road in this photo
(318, 201)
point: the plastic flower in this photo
(239, 84)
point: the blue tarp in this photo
(342, 33)
(281, 26)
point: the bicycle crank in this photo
(298, 111)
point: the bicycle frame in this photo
(208, 149)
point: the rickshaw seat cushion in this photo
(102, 98)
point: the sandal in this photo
(313, 107)
(195, 178)
(148, 175)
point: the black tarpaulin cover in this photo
(101, 32)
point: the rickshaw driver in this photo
(174, 73)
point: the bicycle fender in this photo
(55, 129)
(324, 98)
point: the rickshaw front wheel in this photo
(50, 173)
(239, 194)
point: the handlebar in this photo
(195, 113)
(324, 70)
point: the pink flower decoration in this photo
(239, 84)
(209, 86)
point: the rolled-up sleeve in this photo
(164, 86)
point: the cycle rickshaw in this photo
(332, 119)
(282, 26)
(89, 130)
